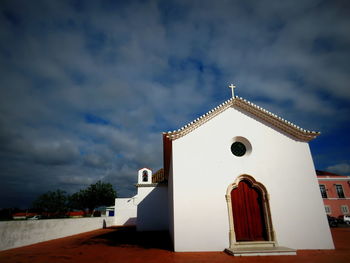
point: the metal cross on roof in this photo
(232, 87)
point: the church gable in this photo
(240, 103)
(261, 160)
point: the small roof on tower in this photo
(274, 120)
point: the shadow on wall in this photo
(128, 236)
(130, 222)
(152, 211)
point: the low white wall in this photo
(21, 233)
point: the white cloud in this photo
(76, 180)
(340, 168)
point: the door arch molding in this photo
(265, 206)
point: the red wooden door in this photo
(247, 210)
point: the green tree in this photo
(78, 200)
(98, 194)
(52, 202)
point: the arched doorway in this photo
(249, 212)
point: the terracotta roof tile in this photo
(159, 177)
(324, 173)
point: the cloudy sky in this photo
(87, 87)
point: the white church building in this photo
(238, 178)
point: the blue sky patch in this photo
(94, 119)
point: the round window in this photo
(238, 149)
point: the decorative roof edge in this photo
(273, 119)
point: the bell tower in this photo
(144, 176)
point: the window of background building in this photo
(344, 209)
(323, 191)
(328, 209)
(340, 191)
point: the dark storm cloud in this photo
(87, 87)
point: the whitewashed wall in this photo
(171, 203)
(203, 167)
(125, 211)
(21, 233)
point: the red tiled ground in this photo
(125, 245)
